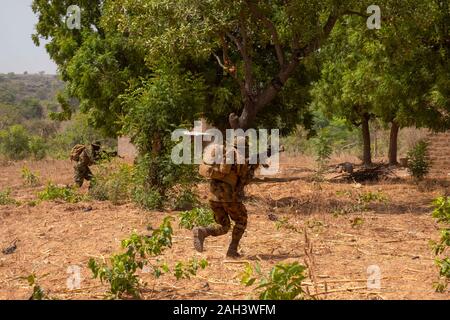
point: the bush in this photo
(159, 182)
(38, 147)
(14, 142)
(29, 178)
(418, 164)
(185, 199)
(148, 199)
(442, 214)
(6, 199)
(284, 281)
(53, 192)
(197, 217)
(114, 184)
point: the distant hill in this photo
(15, 88)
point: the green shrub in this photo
(114, 184)
(442, 214)
(148, 199)
(197, 217)
(284, 281)
(366, 198)
(186, 199)
(38, 147)
(418, 163)
(6, 199)
(66, 193)
(29, 178)
(14, 142)
(323, 150)
(120, 273)
(186, 270)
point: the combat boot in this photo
(199, 238)
(233, 250)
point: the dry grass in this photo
(393, 235)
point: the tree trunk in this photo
(367, 154)
(393, 144)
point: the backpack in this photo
(212, 172)
(216, 171)
(76, 152)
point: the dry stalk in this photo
(310, 261)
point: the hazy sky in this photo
(17, 51)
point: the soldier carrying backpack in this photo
(227, 183)
(84, 156)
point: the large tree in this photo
(261, 46)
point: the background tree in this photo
(98, 66)
(397, 82)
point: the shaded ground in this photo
(347, 237)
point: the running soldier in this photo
(227, 183)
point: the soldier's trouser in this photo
(223, 211)
(81, 173)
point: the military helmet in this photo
(97, 144)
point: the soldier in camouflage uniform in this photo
(227, 203)
(87, 158)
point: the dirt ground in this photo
(345, 239)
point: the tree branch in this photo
(248, 72)
(354, 13)
(278, 82)
(243, 85)
(269, 26)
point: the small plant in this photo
(442, 214)
(29, 178)
(287, 225)
(38, 292)
(6, 199)
(356, 222)
(284, 281)
(121, 271)
(186, 270)
(197, 217)
(53, 192)
(418, 163)
(323, 152)
(366, 198)
(363, 200)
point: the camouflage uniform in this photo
(86, 159)
(227, 203)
